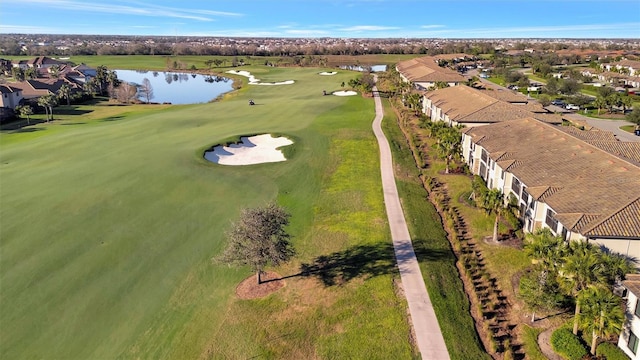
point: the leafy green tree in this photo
(540, 291)
(54, 71)
(17, 73)
(25, 111)
(544, 99)
(600, 103)
(546, 249)
(259, 238)
(31, 73)
(602, 313)
(634, 115)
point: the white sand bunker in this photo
(328, 73)
(251, 150)
(254, 81)
(345, 93)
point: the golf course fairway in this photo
(110, 219)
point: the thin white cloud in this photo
(25, 29)
(140, 9)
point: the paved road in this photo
(425, 324)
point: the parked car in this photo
(572, 107)
(557, 102)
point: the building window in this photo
(632, 344)
(484, 155)
(637, 311)
(515, 186)
(551, 220)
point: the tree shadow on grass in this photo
(113, 118)
(365, 261)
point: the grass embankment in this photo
(110, 219)
(433, 250)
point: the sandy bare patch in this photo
(345, 93)
(255, 81)
(250, 289)
(251, 150)
(326, 73)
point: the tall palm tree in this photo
(602, 313)
(48, 102)
(581, 269)
(615, 267)
(64, 92)
(493, 202)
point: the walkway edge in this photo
(425, 324)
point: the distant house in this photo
(33, 89)
(582, 185)
(628, 339)
(10, 96)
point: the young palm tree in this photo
(493, 202)
(448, 144)
(602, 313)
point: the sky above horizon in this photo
(327, 18)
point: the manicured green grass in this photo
(434, 253)
(628, 128)
(531, 347)
(110, 220)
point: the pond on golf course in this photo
(179, 88)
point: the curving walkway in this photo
(425, 324)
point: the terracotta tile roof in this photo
(6, 89)
(629, 63)
(618, 223)
(632, 283)
(625, 149)
(591, 135)
(587, 179)
(426, 69)
(465, 104)
(506, 95)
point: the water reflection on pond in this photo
(179, 88)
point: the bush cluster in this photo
(567, 344)
(610, 352)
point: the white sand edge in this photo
(251, 150)
(345, 93)
(328, 73)
(255, 81)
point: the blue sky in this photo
(327, 18)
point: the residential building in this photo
(10, 96)
(424, 72)
(628, 339)
(579, 189)
(463, 105)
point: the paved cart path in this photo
(425, 324)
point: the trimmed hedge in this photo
(567, 344)
(611, 352)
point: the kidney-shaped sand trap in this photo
(251, 150)
(254, 81)
(345, 93)
(328, 73)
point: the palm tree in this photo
(602, 313)
(48, 102)
(54, 71)
(600, 103)
(64, 92)
(547, 249)
(448, 144)
(615, 267)
(493, 202)
(581, 269)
